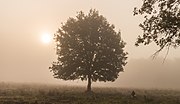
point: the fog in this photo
(139, 73)
(148, 73)
(25, 59)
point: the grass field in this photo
(56, 94)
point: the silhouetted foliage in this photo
(161, 23)
(88, 48)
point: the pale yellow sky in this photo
(23, 56)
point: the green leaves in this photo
(88, 46)
(161, 22)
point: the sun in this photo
(46, 38)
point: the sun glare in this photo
(46, 38)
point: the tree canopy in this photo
(88, 48)
(161, 23)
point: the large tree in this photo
(88, 48)
(161, 23)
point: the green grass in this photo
(53, 94)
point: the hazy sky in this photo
(25, 58)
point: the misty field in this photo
(57, 94)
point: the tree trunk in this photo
(89, 84)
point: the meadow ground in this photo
(56, 94)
